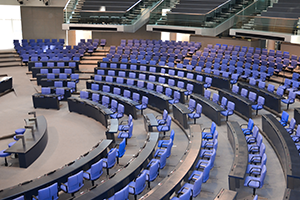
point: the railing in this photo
(190, 19)
(69, 9)
(126, 17)
(260, 23)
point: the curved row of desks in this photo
(157, 100)
(127, 174)
(90, 109)
(242, 104)
(238, 143)
(217, 81)
(284, 148)
(31, 64)
(210, 109)
(272, 100)
(173, 182)
(33, 143)
(164, 85)
(59, 176)
(129, 105)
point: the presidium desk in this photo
(33, 143)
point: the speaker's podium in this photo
(150, 122)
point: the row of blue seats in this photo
(256, 157)
(205, 163)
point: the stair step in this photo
(10, 64)
(92, 57)
(3, 60)
(89, 62)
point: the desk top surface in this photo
(182, 108)
(240, 148)
(212, 104)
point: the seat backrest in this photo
(145, 100)
(199, 108)
(48, 192)
(95, 87)
(230, 106)
(213, 127)
(215, 97)
(235, 89)
(140, 183)
(284, 116)
(111, 158)
(271, 88)
(153, 171)
(224, 101)
(169, 121)
(122, 194)
(46, 90)
(60, 91)
(114, 103)
(252, 96)
(75, 182)
(192, 103)
(163, 159)
(261, 100)
(207, 94)
(255, 131)
(197, 186)
(95, 97)
(120, 109)
(96, 169)
(292, 123)
(136, 97)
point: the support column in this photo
(271, 44)
(72, 37)
(173, 36)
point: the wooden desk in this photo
(58, 176)
(150, 122)
(210, 109)
(242, 104)
(33, 145)
(284, 148)
(180, 112)
(172, 183)
(239, 165)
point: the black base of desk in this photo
(40, 101)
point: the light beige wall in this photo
(42, 22)
(114, 38)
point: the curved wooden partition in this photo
(156, 100)
(272, 100)
(238, 143)
(34, 142)
(90, 109)
(182, 171)
(284, 148)
(125, 175)
(59, 176)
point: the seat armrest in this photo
(65, 186)
(34, 197)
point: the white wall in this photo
(10, 23)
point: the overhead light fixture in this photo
(20, 1)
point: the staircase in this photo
(10, 58)
(89, 61)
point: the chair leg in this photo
(107, 171)
(148, 184)
(6, 163)
(126, 141)
(254, 189)
(226, 118)
(194, 120)
(117, 160)
(93, 182)
(135, 197)
(256, 112)
(141, 111)
(287, 107)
